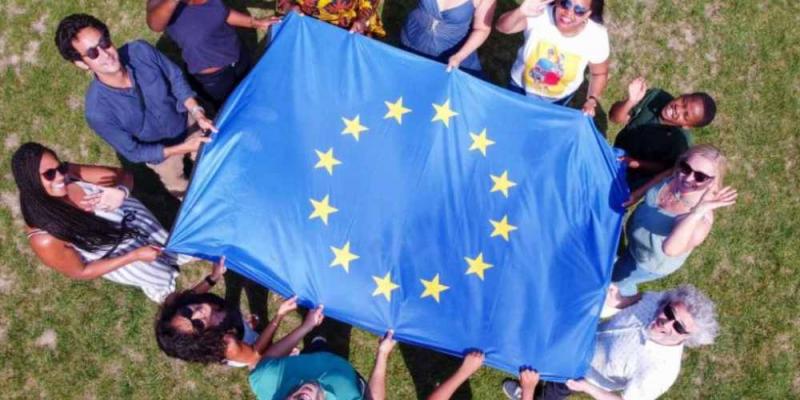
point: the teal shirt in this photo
(274, 378)
(646, 138)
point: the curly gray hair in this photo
(702, 310)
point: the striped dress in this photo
(157, 278)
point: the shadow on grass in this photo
(429, 368)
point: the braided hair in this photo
(55, 216)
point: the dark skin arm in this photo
(266, 337)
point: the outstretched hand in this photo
(314, 317)
(386, 343)
(713, 199)
(218, 269)
(637, 89)
(287, 306)
(473, 362)
(533, 8)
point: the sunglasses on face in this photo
(50, 174)
(685, 169)
(93, 52)
(187, 313)
(669, 312)
(577, 9)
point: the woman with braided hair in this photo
(81, 221)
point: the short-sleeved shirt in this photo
(646, 138)
(275, 378)
(551, 65)
(626, 361)
(205, 38)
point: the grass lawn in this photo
(93, 340)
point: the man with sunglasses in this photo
(638, 351)
(138, 102)
(657, 127)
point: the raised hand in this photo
(473, 361)
(287, 306)
(637, 89)
(218, 269)
(386, 343)
(533, 8)
(264, 23)
(713, 199)
(314, 318)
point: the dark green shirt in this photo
(646, 138)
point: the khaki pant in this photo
(171, 171)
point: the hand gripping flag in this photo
(403, 196)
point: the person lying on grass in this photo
(81, 221)
(314, 374)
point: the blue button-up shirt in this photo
(139, 121)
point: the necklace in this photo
(677, 196)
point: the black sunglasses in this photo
(93, 52)
(577, 9)
(669, 312)
(187, 313)
(50, 174)
(685, 169)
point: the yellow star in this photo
(353, 127)
(385, 286)
(477, 265)
(480, 142)
(502, 183)
(502, 228)
(433, 288)
(443, 113)
(396, 110)
(343, 257)
(326, 160)
(322, 209)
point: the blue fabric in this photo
(139, 121)
(204, 37)
(413, 201)
(439, 35)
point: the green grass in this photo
(745, 53)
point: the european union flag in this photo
(401, 196)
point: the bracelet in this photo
(210, 281)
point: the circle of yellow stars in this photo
(343, 256)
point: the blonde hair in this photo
(711, 153)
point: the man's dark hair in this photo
(68, 29)
(709, 107)
(206, 346)
(53, 215)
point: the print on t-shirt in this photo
(548, 70)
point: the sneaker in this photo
(512, 389)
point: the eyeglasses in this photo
(187, 313)
(685, 169)
(577, 9)
(50, 174)
(93, 52)
(669, 312)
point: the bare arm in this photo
(283, 347)
(377, 380)
(620, 112)
(472, 362)
(592, 390)
(637, 194)
(597, 85)
(159, 13)
(481, 28)
(58, 255)
(101, 175)
(265, 339)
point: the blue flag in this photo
(403, 196)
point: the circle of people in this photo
(82, 221)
